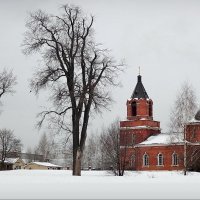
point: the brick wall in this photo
(153, 151)
(193, 132)
(134, 123)
(142, 109)
(131, 137)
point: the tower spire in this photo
(139, 91)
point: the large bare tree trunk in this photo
(77, 163)
(76, 148)
(3, 167)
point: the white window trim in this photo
(173, 160)
(158, 161)
(143, 160)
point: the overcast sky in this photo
(163, 37)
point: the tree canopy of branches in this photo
(78, 71)
(8, 143)
(7, 81)
(184, 108)
(46, 147)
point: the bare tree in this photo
(29, 155)
(183, 109)
(44, 147)
(8, 143)
(112, 156)
(76, 69)
(7, 81)
(92, 153)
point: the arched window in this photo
(160, 159)
(134, 108)
(174, 159)
(132, 161)
(150, 109)
(145, 160)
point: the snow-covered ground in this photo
(60, 184)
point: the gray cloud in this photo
(160, 36)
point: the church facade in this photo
(144, 147)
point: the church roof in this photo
(163, 139)
(139, 91)
(46, 164)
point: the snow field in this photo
(60, 184)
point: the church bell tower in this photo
(139, 124)
(139, 106)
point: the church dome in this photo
(197, 116)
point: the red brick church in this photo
(144, 147)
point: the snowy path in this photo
(36, 184)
